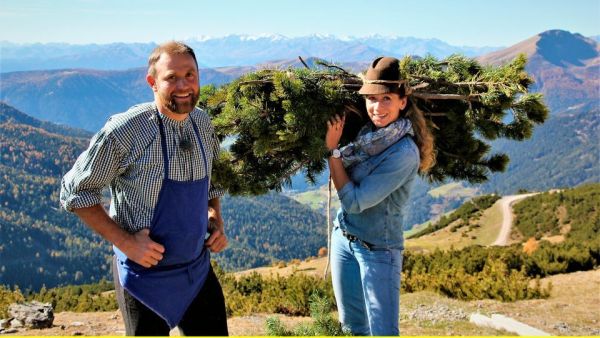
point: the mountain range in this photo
(564, 65)
(230, 50)
(84, 98)
(559, 61)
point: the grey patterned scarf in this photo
(371, 142)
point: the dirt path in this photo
(507, 216)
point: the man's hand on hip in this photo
(217, 241)
(140, 248)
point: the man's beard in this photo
(181, 107)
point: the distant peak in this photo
(241, 37)
(561, 47)
(558, 33)
(272, 37)
(558, 47)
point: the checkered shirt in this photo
(126, 156)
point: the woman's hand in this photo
(335, 127)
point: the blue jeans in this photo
(366, 284)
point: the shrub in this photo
(322, 252)
(323, 324)
(8, 297)
(79, 298)
(287, 295)
(495, 281)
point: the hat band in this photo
(383, 81)
(407, 89)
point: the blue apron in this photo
(179, 223)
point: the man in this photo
(157, 159)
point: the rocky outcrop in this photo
(34, 315)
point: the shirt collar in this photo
(171, 122)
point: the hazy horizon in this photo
(459, 23)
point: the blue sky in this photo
(458, 22)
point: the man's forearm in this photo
(98, 220)
(138, 247)
(214, 211)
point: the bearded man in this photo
(156, 158)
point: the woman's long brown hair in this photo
(423, 136)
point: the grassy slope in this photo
(486, 234)
(443, 239)
(316, 199)
(452, 189)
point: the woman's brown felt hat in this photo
(382, 77)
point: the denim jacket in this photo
(372, 202)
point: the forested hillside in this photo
(269, 228)
(563, 152)
(42, 244)
(505, 273)
(39, 243)
(572, 213)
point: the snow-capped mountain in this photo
(229, 50)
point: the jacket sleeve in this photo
(389, 175)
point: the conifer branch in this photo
(430, 96)
(251, 82)
(278, 118)
(322, 63)
(304, 63)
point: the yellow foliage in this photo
(530, 246)
(322, 252)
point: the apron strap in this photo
(201, 146)
(163, 144)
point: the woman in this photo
(373, 176)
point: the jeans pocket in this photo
(379, 256)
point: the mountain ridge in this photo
(85, 98)
(229, 50)
(93, 109)
(565, 67)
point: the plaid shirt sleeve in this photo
(215, 191)
(94, 169)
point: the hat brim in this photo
(373, 89)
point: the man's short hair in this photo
(170, 48)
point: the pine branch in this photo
(431, 96)
(251, 82)
(278, 118)
(304, 63)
